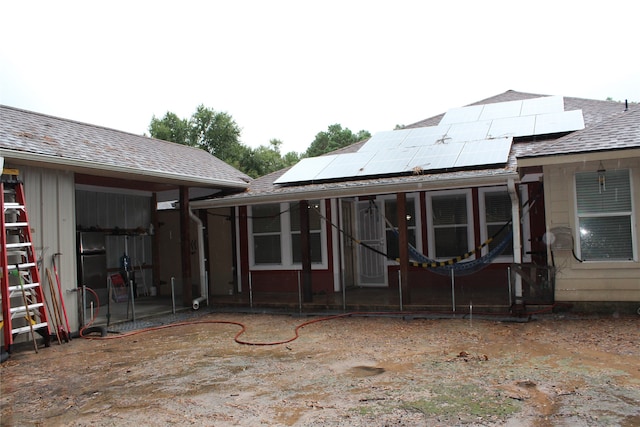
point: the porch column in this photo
(185, 246)
(305, 247)
(155, 250)
(403, 242)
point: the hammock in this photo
(418, 259)
(460, 268)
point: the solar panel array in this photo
(468, 136)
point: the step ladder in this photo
(23, 302)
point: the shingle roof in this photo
(620, 132)
(263, 188)
(87, 148)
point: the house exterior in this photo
(90, 185)
(365, 228)
(592, 182)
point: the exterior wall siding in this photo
(590, 281)
(50, 196)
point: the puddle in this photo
(366, 371)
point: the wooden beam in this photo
(403, 242)
(305, 247)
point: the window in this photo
(495, 203)
(266, 234)
(275, 233)
(391, 213)
(449, 216)
(315, 232)
(604, 211)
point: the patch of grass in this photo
(462, 399)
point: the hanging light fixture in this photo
(602, 178)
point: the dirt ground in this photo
(351, 371)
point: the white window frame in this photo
(285, 241)
(482, 213)
(415, 198)
(631, 214)
(431, 229)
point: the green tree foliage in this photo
(266, 159)
(170, 128)
(219, 134)
(334, 138)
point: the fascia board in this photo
(361, 190)
(88, 167)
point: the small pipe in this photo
(509, 284)
(250, 290)
(197, 301)
(453, 291)
(133, 303)
(400, 288)
(299, 294)
(173, 295)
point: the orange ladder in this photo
(23, 303)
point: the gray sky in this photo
(289, 69)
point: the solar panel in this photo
(469, 131)
(512, 126)
(501, 110)
(462, 115)
(468, 136)
(385, 140)
(543, 105)
(389, 161)
(305, 169)
(559, 122)
(345, 165)
(434, 157)
(487, 152)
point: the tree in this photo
(170, 128)
(334, 138)
(212, 131)
(266, 159)
(216, 133)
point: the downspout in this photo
(203, 285)
(517, 240)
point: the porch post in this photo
(305, 247)
(185, 246)
(403, 242)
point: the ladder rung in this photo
(13, 205)
(20, 309)
(18, 245)
(16, 224)
(27, 328)
(22, 266)
(26, 286)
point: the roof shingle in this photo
(69, 142)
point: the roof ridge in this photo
(123, 132)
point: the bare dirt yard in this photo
(349, 371)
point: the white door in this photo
(372, 269)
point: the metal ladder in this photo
(23, 301)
